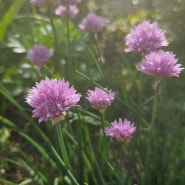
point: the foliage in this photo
(30, 153)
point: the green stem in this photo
(56, 50)
(70, 70)
(103, 122)
(54, 33)
(134, 145)
(104, 143)
(97, 47)
(146, 175)
(62, 146)
(97, 65)
(54, 152)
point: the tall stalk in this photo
(55, 37)
(62, 146)
(147, 175)
(135, 139)
(70, 66)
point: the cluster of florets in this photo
(67, 8)
(92, 23)
(52, 98)
(147, 38)
(39, 55)
(68, 11)
(100, 99)
(120, 130)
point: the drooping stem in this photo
(62, 146)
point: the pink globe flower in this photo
(70, 11)
(39, 55)
(100, 99)
(92, 23)
(145, 37)
(120, 130)
(51, 98)
(160, 64)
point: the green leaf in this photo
(27, 181)
(7, 182)
(9, 16)
(34, 143)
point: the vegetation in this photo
(76, 150)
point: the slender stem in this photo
(54, 152)
(103, 122)
(146, 177)
(56, 50)
(131, 158)
(70, 66)
(62, 146)
(49, 71)
(54, 33)
(94, 36)
(97, 65)
(104, 136)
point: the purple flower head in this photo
(70, 11)
(100, 99)
(120, 130)
(51, 98)
(145, 37)
(92, 23)
(39, 55)
(161, 64)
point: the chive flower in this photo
(160, 64)
(71, 11)
(51, 98)
(39, 55)
(91, 23)
(100, 99)
(120, 130)
(145, 37)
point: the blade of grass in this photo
(7, 182)
(40, 148)
(97, 65)
(27, 181)
(31, 168)
(9, 16)
(11, 125)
